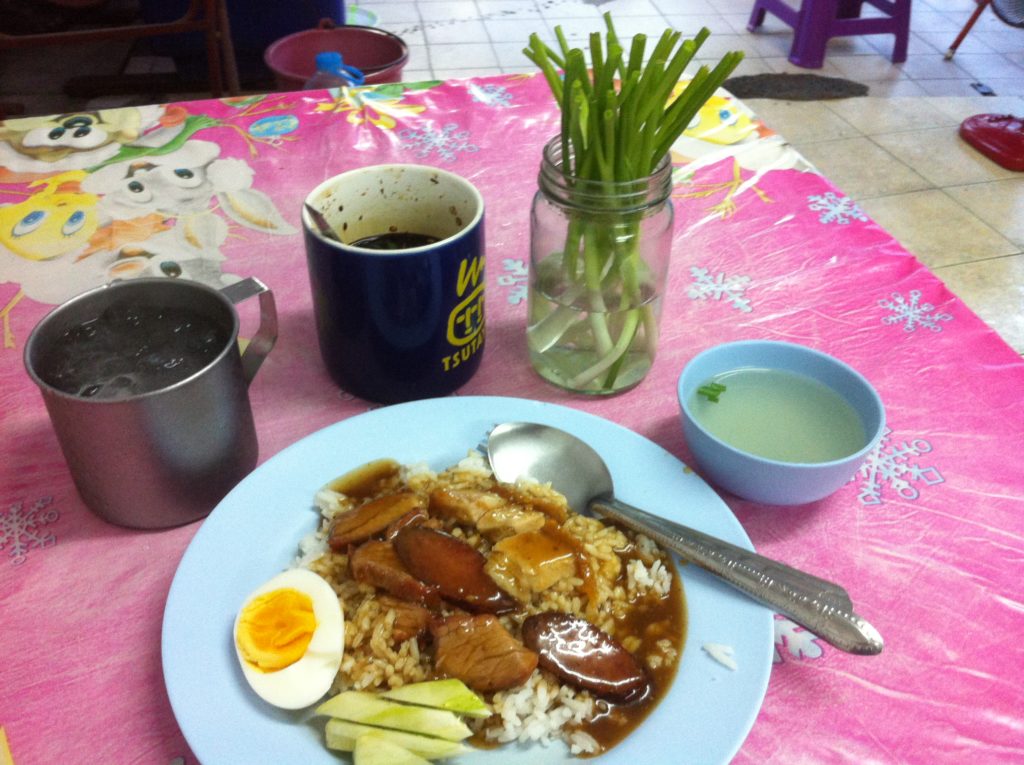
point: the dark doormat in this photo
(793, 87)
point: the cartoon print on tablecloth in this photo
(891, 467)
(793, 639)
(720, 287)
(834, 208)
(140, 208)
(273, 129)
(43, 234)
(185, 183)
(182, 186)
(276, 128)
(515, 279)
(43, 241)
(448, 142)
(382, 106)
(490, 94)
(729, 189)
(912, 313)
(720, 121)
(36, 147)
(21, 530)
(724, 131)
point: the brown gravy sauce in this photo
(654, 620)
(657, 619)
(583, 571)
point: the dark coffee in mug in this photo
(406, 323)
(395, 240)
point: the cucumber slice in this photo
(342, 735)
(451, 694)
(374, 748)
(371, 709)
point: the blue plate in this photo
(254, 533)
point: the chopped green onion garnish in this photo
(711, 391)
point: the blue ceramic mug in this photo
(399, 295)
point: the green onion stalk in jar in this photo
(601, 224)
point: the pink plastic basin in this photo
(378, 53)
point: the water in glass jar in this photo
(588, 351)
(780, 415)
(131, 348)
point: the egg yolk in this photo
(275, 628)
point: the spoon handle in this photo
(321, 223)
(820, 606)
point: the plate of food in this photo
(334, 593)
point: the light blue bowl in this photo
(761, 479)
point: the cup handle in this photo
(261, 343)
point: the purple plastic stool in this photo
(818, 21)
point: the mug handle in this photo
(261, 343)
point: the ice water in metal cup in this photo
(147, 391)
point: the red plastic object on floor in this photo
(1000, 137)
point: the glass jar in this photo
(599, 254)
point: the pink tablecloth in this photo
(928, 537)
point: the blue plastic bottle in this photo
(331, 72)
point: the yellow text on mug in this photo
(466, 320)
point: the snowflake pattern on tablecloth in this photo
(447, 143)
(794, 640)
(912, 313)
(21, 531)
(892, 467)
(720, 287)
(834, 208)
(491, 94)
(515, 279)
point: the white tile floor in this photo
(460, 38)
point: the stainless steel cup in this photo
(165, 457)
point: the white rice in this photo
(330, 502)
(542, 711)
(311, 548)
(647, 547)
(417, 470)
(475, 462)
(642, 579)
(721, 653)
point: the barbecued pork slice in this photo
(552, 505)
(412, 518)
(531, 562)
(454, 567)
(376, 563)
(584, 656)
(411, 620)
(508, 520)
(371, 519)
(480, 652)
(464, 506)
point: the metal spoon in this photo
(547, 454)
(321, 223)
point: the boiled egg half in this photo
(289, 637)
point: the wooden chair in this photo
(207, 16)
(817, 21)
